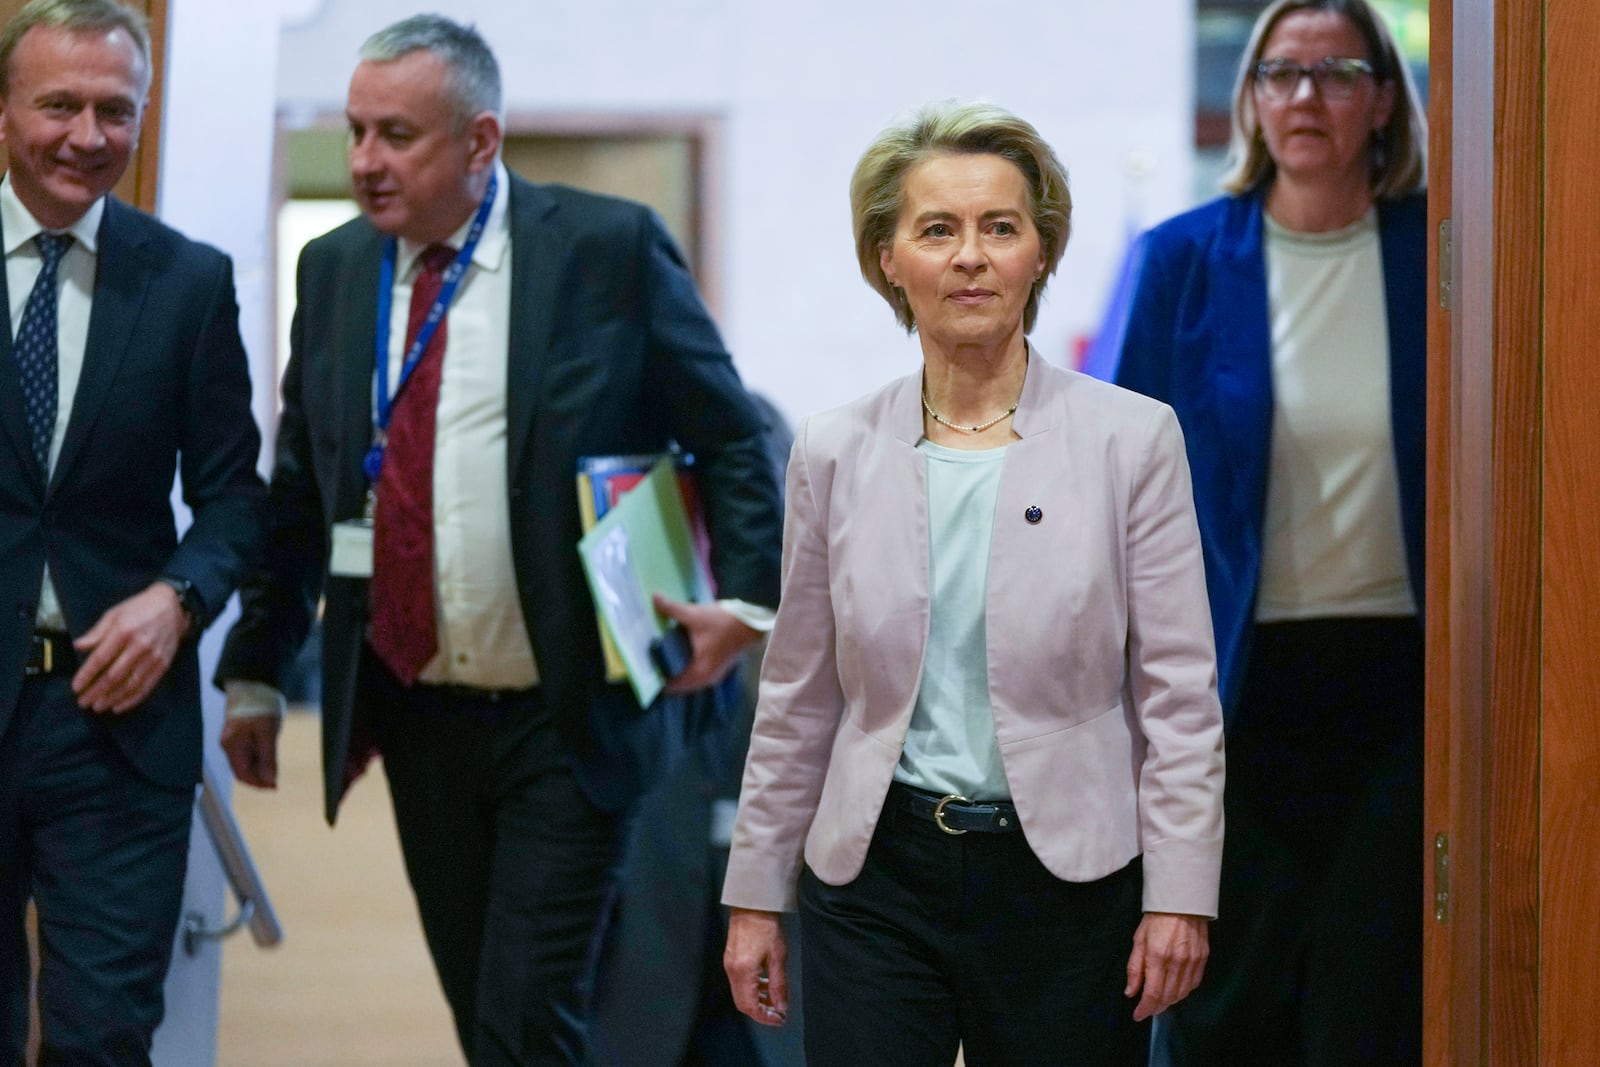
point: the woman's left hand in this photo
(1169, 956)
(755, 959)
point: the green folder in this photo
(640, 547)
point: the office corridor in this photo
(351, 984)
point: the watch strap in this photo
(188, 599)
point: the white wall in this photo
(801, 90)
(216, 167)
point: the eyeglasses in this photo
(1334, 78)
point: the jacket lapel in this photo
(352, 373)
(535, 270)
(12, 415)
(121, 284)
(1402, 229)
(1242, 353)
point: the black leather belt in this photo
(50, 652)
(483, 705)
(955, 814)
(467, 694)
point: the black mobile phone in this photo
(671, 652)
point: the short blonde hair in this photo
(76, 17)
(1399, 151)
(877, 189)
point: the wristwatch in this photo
(188, 600)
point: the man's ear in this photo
(483, 141)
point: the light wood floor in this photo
(351, 984)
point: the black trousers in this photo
(102, 852)
(944, 941)
(1316, 955)
(512, 866)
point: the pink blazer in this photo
(1102, 672)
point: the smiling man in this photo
(121, 367)
(454, 352)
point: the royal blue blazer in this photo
(1189, 325)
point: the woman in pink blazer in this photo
(988, 719)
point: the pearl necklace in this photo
(980, 427)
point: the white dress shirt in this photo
(483, 638)
(482, 635)
(75, 284)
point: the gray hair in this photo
(75, 16)
(877, 189)
(1399, 152)
(474, 75)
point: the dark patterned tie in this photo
(35, 347)
(402, 631)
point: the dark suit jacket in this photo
(1192, 329)
(165, 388)
(611, 352)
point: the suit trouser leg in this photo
(511, 865)
(943, 940)
(15, 863)
(1316, 954)
(102, 852)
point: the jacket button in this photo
(1034, 514)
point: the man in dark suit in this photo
(459, 634)
(122, 366)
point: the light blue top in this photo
(950, 746)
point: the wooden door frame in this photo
(141, 186)
(1485, 438)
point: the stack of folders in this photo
(644, 533)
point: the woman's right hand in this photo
(754, 959)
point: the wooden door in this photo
(1514, 567)
(1484, 744)
(1569, 547)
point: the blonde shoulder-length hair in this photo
(1399, 150)
(877, 188)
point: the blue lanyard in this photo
(384, 409)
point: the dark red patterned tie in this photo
(402, 629)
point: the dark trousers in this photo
(1316, 955)
(944, 941)
(102, 853)
(511, 864)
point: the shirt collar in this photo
(491, 250)
(21, 227)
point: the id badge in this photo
(352, 549)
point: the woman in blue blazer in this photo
(1285, 324)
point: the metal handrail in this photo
(255, 907)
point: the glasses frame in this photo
(1321, 74)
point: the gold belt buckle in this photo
(938, 813)
(47, 658)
